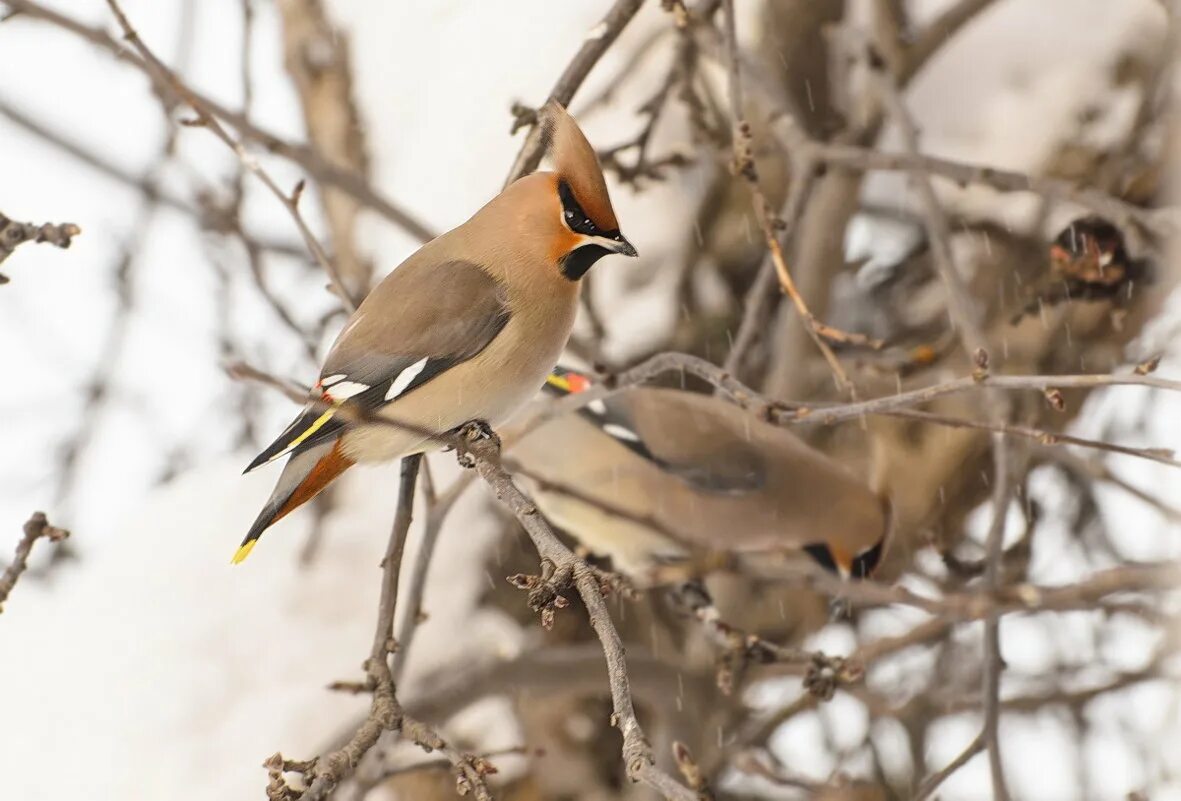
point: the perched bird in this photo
(652, 476)
(1091, 251)
(465, 329)
(1088, 261)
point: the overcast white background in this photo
(149, 668)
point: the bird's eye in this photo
(576, 218)
(823, 557)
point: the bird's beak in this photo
(617, 244)
(612, 243)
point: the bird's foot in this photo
(739, 649)
(474, 430)
(468, 435)
(612, 583)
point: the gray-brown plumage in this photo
(465, 329)
(657, 475)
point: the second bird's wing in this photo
(688, 440)
(447, 314)
(677, 432)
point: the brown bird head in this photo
(577, 209)
(861, 565)
(1090, 250)
(561, 218)
(846, 565)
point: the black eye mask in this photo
(577, 219)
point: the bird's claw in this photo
(475, 430)
(469, 433)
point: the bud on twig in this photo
(979, 364)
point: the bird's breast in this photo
(490, 386)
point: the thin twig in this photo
(384, 713)
(960, 306)
(167, 81)
(307, 157)
(1097, 470)
(412, 614)
(1038, 383)
(391, 563)
(968, 606)
(597, 41)
(36, 527)
(637, 754)
(145, 185)
(936, 35)
(994, 663)
(1160, 222)
(932, 782)
(893, 405)
(757, 305)
(744, 165)
(13, 234)
(444, 764)
(1040, 436)
(741, 649)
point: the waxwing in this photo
(652, 476)
(465, 329)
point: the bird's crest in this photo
(576, 164)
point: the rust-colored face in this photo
(576, 163)
(1091, 250)
(590, 230)
(840, 562)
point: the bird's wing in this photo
(682, 440)
(445, 314)
(690, 441)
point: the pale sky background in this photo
(151, 669)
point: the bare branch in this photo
(412, 612)
(167, 81)
(36, 527)
(1161, 223)
(994, 663)
(14, 234)
(937, 34)
(145, 185)
(318, 58)
(385, 712)
(744, 165)
(598, 40)
(568, 568)
(308, 158)
(757, 306)
(932, 782)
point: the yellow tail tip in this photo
(243, 552)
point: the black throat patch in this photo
(575, 263)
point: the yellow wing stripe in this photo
(312, 429)
(559, 382)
